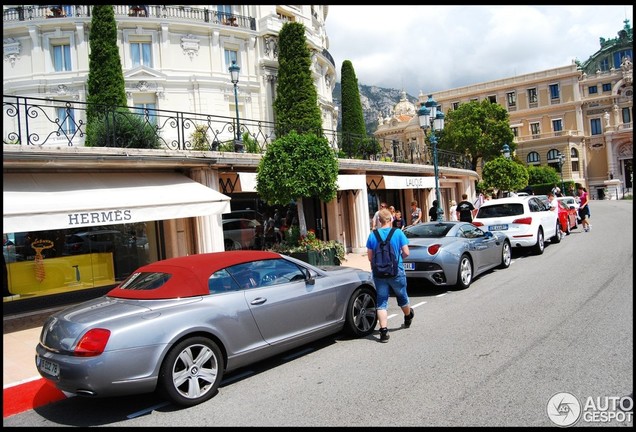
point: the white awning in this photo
(247, 182)
(408, 182)
(37, 202)
(352, 181)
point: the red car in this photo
(567, 217)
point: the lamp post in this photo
(505, 150)
(429, 116)
(561, 159)
(395, 150)
(234, 75)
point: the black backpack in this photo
(384, 262)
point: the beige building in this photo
(583, 111)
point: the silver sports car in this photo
(179, 324)
(454, 253)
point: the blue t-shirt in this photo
(397, 241)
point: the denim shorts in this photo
(397, 285)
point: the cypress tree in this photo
(296, 105)
(353, 127)
(105, 83)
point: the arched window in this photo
(553, 159)
(533, 158)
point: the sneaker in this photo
(586, 229)
(384, 334)
(408, 318)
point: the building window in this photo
(557, 127)
(574, 157)
(455, 105)
(230, 55)
(533, 158)
(554, 91)
(535, 130)
(607, 87)
(533, 97)
(66, 121)
(595, 126)
(515, 131)
(592, 90)
(492, 99)
(603, 65)
(553, 159)
(511, 98)
(140, 53)
(627, 115)
(61, 53)
(147, 109)
(620, 55)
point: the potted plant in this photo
(309, 248)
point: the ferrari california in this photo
(177, 326)
(454, 253)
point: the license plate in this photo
(409, 266)
(497, 227)
(48, 367)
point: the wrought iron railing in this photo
(45, 122)
(177, 12)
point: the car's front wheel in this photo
(464, 272)
(192, 371)
(361, 312)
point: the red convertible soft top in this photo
(189, 274)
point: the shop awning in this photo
(351, 181)
(37, 202)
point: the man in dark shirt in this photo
(465, 209)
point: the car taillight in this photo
(523, 221)
(92, 343)
(478, 224)
(432, 249)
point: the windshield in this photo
(500, 210)
(427, 230)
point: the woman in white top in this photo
(453, 210)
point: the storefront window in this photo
(41, 263)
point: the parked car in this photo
(239, 234)
(454, 253)
(570, 201)
(527, 221)
(178, 325)
(568, 217)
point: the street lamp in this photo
(234, 75)
(505, 150)
(561, 160)
(429, 116)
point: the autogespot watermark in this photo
(564, 409)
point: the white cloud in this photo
(435, 48)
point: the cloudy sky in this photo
(435, 48)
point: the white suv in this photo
(527, 221)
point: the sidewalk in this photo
(24, 389)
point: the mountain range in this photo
(376, 102)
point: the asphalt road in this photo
(492, 355)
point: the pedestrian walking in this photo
(397, 284)
(584, 209)
(432, 212)
(452, 211)
(375, 223)
(465, 209)
(416, 213)
(398, 222)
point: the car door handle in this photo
(258, 300)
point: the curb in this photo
(29, 395)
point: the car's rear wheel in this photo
(567, 229)
(557, 234)
(192, 371)
(539, 246)
(506, 255)
(361, 312)
(464, 272)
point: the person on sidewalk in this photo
(397, 284)
(465, 209)
(584, 209)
